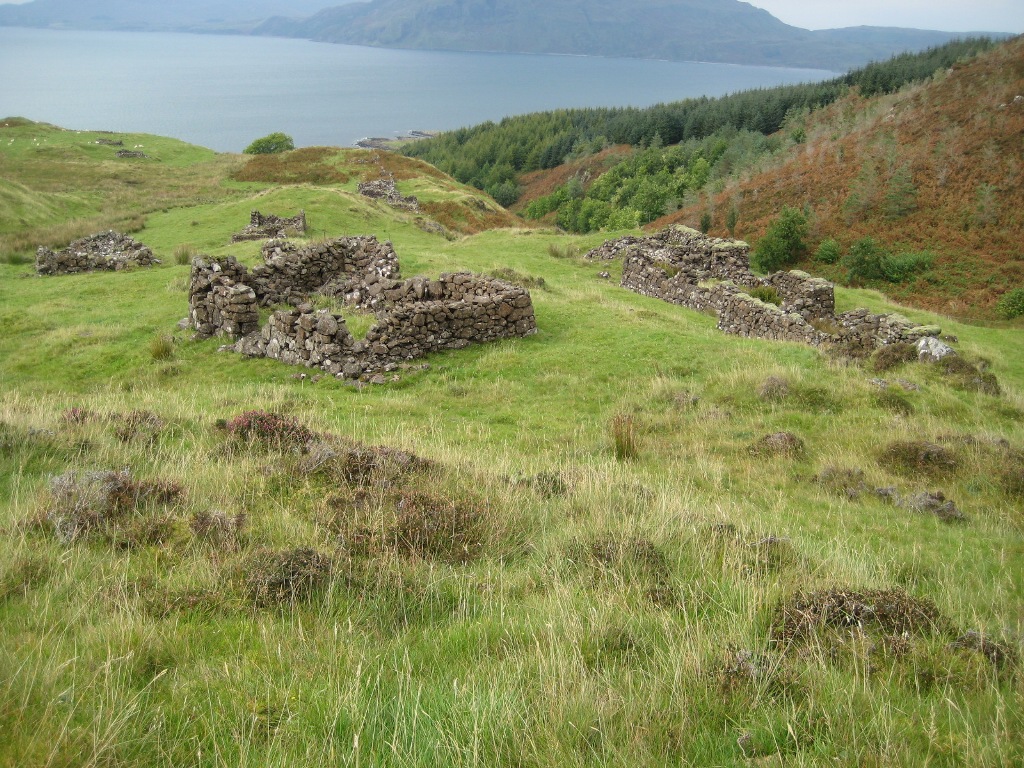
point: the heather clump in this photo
(270, 431)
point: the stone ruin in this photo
(264, 226)
(128, 153)
(414, 316)
(682, 266)
(384, 189)
(105, 251)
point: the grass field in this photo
(589, 561)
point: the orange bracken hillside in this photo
(938, 166)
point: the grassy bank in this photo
(586, 558)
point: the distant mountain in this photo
(153, 15)
(693, 30)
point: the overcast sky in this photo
(950, 15)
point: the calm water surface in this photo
(222, 92)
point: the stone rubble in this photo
(384, 189)
(104, 251)
(263, 226)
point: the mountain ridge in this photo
(727, 31)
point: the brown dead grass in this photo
(309, 165)
(539, 183)
(469, 218)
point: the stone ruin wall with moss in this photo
(414, 317)
(685, 267)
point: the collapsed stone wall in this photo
(103, 251)
(684, 267)
(384, 189)
(414, 316)
(265, 225)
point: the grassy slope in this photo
(551, 648)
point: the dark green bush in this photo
(271, 144)
(864, 261)
(828, 252)
(1011, 305)
(784, 243)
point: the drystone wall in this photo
(456, 310)
(100, 252)
(347, 267)
(684, 267)
(414, 316)
(262, 226)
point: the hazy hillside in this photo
(224, 15)
(697, 30)
(935, 167)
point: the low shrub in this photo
(778, 444)
(918, 457)
(285, 576)
(1011, 304)
(967, 375)
(893, 356)
(137, 425)
(269, 430)
(889, 611)
(829, 252)
(894, 402)
(83, 502)
(773, 389)
(439, 527)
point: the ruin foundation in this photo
(414, 317)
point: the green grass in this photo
(599, 607)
